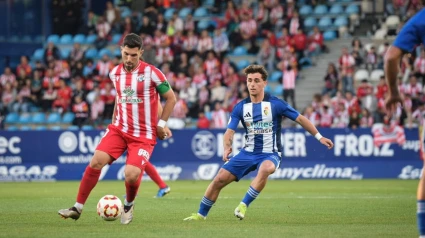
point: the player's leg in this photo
(154, 175)
(421, 205)
(223, 178)
(268, 165)
(137, 157)
(234, 170)
(110, 147)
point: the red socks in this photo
(131, 189)
(88, 182)
(153, 174)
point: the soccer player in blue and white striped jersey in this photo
(411, 35)
(261, 116)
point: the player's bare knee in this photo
(99, 160)
(267, 168)
(132, 174)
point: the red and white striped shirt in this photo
(387, 134)
(248, 27)
(420, 65)
(289, 77)
(190, 43)
(413, 90)
(326, 119)
(7, 79)
(205, 44)
(137, 100)
(210, 65)
(219, 119)
(104, 67)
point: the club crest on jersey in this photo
(141, 78)
(266, 111)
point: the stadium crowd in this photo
(195, 60)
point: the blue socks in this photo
(420, 213)
(250, 195)
(205, 206)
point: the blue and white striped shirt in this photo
(262, 123)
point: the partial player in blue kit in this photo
(261, 116)
(411, 35)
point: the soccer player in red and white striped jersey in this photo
(134, 126)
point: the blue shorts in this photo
(245, 162)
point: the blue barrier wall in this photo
(193, 154)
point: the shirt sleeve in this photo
(160, 81)
(235, 117)
(408, 37)
(284, 109)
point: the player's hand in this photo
(161, 133)
(392, 102)
(328, 143)
(168, 132)
(226, 154)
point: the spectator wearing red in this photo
(205, 43)
(51, 52)
(347, 64)
(81, 111)
(299, 41)
(364, 89)
(50, 78)
(420, 66)
(295, 24)
(8, 77)
(104, 66)
(25, 66)
(203, 122)
(414, 88)
(289, 79)
(231, 15)
(313, 116)
(189, 23)
(326, 117)
(219, 117)
(381, 88)
(108, 97)
(366, 119)
(276, 16)
(64, 93)
(315, 42)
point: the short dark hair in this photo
(133, 41)
(255, 68)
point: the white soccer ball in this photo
(109, 208)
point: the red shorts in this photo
(115, 142)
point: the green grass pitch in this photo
(309, 208)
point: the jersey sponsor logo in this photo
(143, 153)
(129, 96)
(259, 127)
(204, 145)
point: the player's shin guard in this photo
(205, 206)
(421, 217)
(131, 190)
(250, 196)
(154, 175)
(88, 182)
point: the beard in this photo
(129, 67)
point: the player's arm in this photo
(170, 101)
(167, 130)
(227, 143)
(391, 68)
(311, 128)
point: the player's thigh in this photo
(240, 164)
(139, 153)
(224, 177)
(268, 163)
(112, 143)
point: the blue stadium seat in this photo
(26, 39)
(126, 13)
(268, 89)
(116, 38)
(38, 118)
(336, 9)
(117, 52)
(184, 12)
(276, 76)
(320, 10)
(68, 117)
(200, 12)
(11, 118)
(329, 35)
(91, 39)
(53, 118)
(87, 128)
(242, 64)
(305, 62)
(203, 24)
(53, 38)
(32, 107)
(66, 39)
(324, 22)
(38, 54)
(12, 128)
(310, 22)
(79, 38)
(278, 91)
(39, 39)
(352, 9)
(306, 10)
(13, 38)
(24, 118)
(107, 121)
(55, 128)
(341, 21)
(73, 128)
(25, 128)
(240, 50)
(91, 53)
(169, 13)
(65, 52)
(103, 52)
(209, 3)
(41, 128)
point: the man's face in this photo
(130, 57)
(255, 84)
